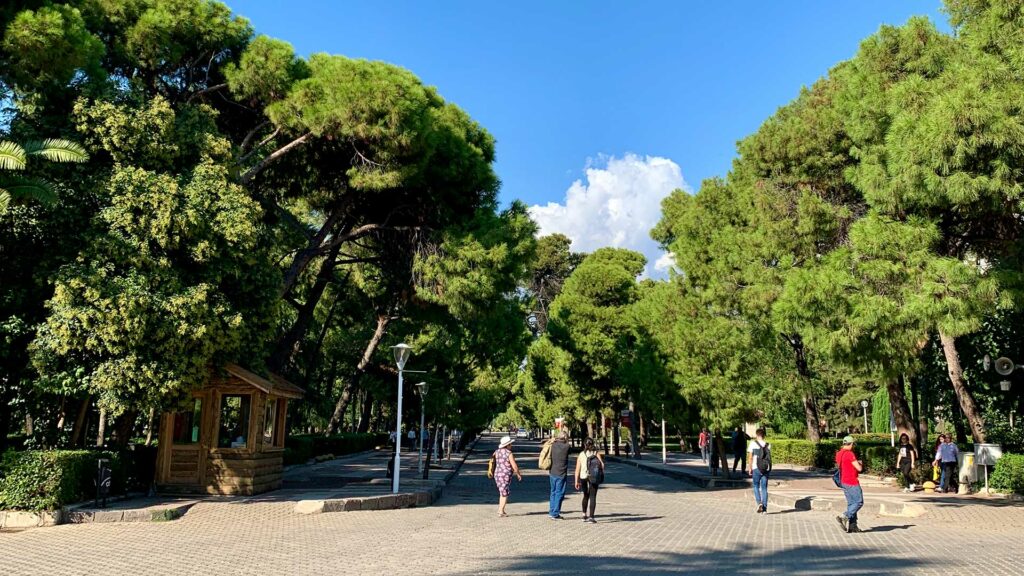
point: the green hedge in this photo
(302, 447)
(805, 452)
(1008, 475)
(50, 479)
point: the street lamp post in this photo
(423, 398)
(864, 405)
(664, 449)
(402, 352)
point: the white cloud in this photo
(617, 206)
(666, 261)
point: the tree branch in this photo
(206, 90)
(248, 176)
(252, 134)
(257, 147)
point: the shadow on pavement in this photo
(736, 561)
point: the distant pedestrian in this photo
(713, 455)
(391, 437)
(703, 440)
(559, 469)
(849, 472)
(760, 469)
(739, 449)
(588, 477)
(504, 467)
(906, 459)
(411, 436)
(946, 457)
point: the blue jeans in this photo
(854, 501)
(760, 488)
(557, 493)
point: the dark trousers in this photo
(589, 498)
(948, 476)
(737, 458)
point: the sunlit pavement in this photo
(647, 524)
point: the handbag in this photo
(837, 479)
(490, 466)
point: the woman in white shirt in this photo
(589, 474)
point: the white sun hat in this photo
(505, 441)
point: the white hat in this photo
(505, 441)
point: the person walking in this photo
(849, 473)
(589, 476)
(559, 469)
(946, 457)
(760, 468)
(739, 450)
(906, 459)
(504, 467)
(702, 441)
(714, 442)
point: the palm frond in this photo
(5, 201)
(21, 188)
(12, 156)
(57, 150)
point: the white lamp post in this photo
(864, 405)
(664, 448)
(402, 352)
(423, 397)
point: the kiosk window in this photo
(234, 421)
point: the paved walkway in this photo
(648, 524)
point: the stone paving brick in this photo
(647, 524)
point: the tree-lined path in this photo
(647, 525)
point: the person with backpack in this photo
(760, 467)
(557, 464)
(849, 471)
(589, 476)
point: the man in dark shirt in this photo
(559, 468)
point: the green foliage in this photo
(49, 45)
(50, 479)
(300, 448)
(880, 411)
(805, 452)
(1008, 475)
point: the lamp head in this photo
(423, 386)
(863, 403)
(1004, 366)
(986, 362)
(402, 352)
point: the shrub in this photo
(1008, 475)
(302, 447)
(50, 479)
(805, 452)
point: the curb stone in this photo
(422, 497)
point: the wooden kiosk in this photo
(229, 438)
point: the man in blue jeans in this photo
(559, 468)
(849, 479)
(947, 456)
(760, 468)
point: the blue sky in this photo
(566, 86)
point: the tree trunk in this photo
(346, 394)
(149, 426)
(900, 410)
(367, 412)
(303, 257)
(615, 435)
(288, 345)
(101, 432)
(124, 427)
(958, 425)
(811, 416)
(77, 429)
(920, 420)
(634, 430)
(963, 394)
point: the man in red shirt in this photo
(702, 441)
(849, 471)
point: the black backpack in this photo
(764, 461)
(595, 472)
